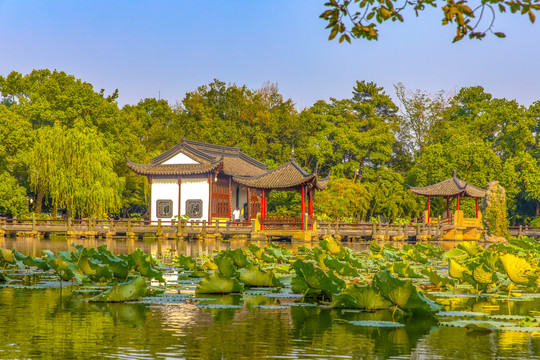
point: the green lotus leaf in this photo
(429, 250)
(95, 270)
(471, 247)
(490, 259)
(130, 291)
(143, 264)
(404, 270)
(332, 246)
(209, 265)
(390, 247)
(461, 314)
(391, 255)
(337, 282)
(354, 261)
(415, 255)
(225, 264)
(199, 274)
(302, 250)
(66, 270)
(376, 323)
(66, 255)
(254, 276)
(517, 269)
(318, 255)
(404, 294)
(456, 270)
(340, 267)
(7, 256)
(187, 262)
(311, 280)
(360, 297)
(456, 254)
(394, 289)
(218, 284)
(483, 275)
(276, 253)
(268, 259)
(117, 265)
(240, 258)
(437, 279)
(256, 251)
(373, 247)
(419, 304)
(30, 261)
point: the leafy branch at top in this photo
(359, 18)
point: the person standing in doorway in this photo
(236, 215)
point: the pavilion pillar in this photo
(303, 205)
(263, 208)
(150, 206)
(447, 207)
(458, 197)
(428, 208)
(210, 187)
(310, 206)
(476, 207)
(230, 197)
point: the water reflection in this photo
(35, 246)
(59, 323)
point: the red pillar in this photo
(476, 208)
(448, 206)
(310, 206)
(263, 208)
(458, 197)
(303, 206)
(230, 197)
(311, 193)
(428, 207)
(211, 189)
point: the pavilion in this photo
(461, 228)
(206, 182)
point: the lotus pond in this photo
(222, 300)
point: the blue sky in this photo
(147, 48)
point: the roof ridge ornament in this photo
(455, 178)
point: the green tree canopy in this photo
(73, 168)
(345, 135)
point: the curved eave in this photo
(288, 176)
(174, 169)
(268, 184)
(321, 184)
(450, 188)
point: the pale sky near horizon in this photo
(167, 48)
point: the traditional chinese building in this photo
(207, 182)
(455, 226)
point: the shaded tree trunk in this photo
(39, 200)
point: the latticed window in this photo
(220, 199)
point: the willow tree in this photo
(73, 169)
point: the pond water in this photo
(58, 323)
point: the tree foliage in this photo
(357, 19)
(74, 170)
(64, 145)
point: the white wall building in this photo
(206, 182)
